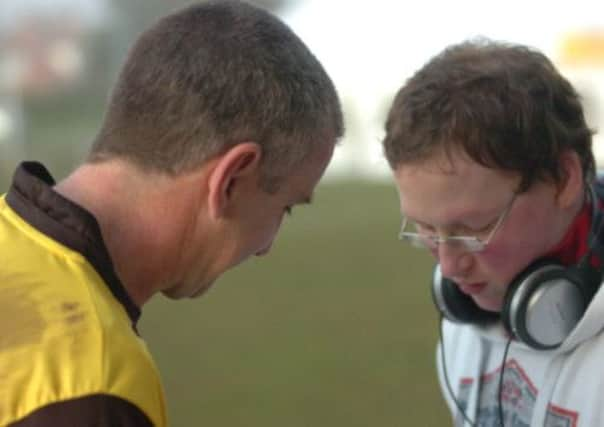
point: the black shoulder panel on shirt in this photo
(99, 410)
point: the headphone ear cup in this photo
(543, 304)
(455, 305)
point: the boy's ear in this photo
(572, 185)
(229, 168)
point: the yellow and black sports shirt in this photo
(69, 351)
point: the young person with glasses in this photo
(491, 155)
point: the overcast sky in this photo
(370, 48)
(381, 35)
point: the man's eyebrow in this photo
(452, 225)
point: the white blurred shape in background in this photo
(91, 12)
(371, 48)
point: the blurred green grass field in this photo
(335, 327)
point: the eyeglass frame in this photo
(471, 244)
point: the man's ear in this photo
(238, 162)
(572, 186)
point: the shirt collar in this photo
(32, 197)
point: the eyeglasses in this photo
(465, 243)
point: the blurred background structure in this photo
(336, 327)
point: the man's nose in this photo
(454, 261)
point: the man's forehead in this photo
(465, 191)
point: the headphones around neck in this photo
(543, 303)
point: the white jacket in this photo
(555, 388)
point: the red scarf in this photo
(574, 244)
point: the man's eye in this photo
(423, 229)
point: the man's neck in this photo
(124, 214)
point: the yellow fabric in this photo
(63, 334)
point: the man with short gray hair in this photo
(221, 121)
